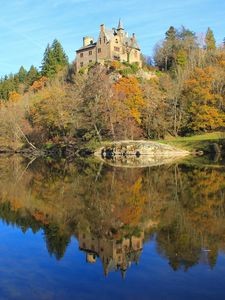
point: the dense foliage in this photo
(182, 94)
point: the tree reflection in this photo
(112, 211)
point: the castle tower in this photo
(120, 28)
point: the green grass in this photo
(196, 142)
(193, 143)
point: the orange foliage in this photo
(39, 84)
(39, 216)
(129, 90)
(204, 102)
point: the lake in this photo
(88, 230)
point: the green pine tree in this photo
(171, 34)
(32, 75)
(59, 54)
(54, 59)
(22, 74)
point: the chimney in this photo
(88, 40)
(102, 27)
(133, 35)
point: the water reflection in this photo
(112, 212)
(114, 254)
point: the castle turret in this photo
(120, 25)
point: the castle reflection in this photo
(114, 255)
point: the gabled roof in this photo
(131, 42)
(109, 33)
(90, 46)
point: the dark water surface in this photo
(85, 230)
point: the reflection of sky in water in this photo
(28, 272)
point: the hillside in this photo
(182, 95)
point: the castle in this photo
(114, 255)
(112, 44)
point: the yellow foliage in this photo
(129, 91)
(39, 84)
(14, 97)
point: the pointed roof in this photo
(120, 25)
(109, 34)
(123, 273)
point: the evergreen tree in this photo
(59, 54)
(171, 48)
(48, 65)
(54, 59)
(171, 34)
(22, 74)
(210, 40)
(32, 75)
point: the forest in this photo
(180, 91)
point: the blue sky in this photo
(26, 26)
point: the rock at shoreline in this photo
(139, 153)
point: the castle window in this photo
(116, 57)
(136, 54)
(90, 61)
(117, 49)
(90, 52)
(81, 64)
(81, 54)
(99, 50)
(100, 40)
(104, 39)
(116, 41)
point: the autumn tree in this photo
(52, 114)
(96, 95)
(210, 40)
(155, 115)
(176, 48)
(128, 92)
(204, 105)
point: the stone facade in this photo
(112, 44)
(114, 255)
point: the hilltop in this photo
(181, 95)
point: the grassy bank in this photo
(202, 142)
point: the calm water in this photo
(85, 230)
